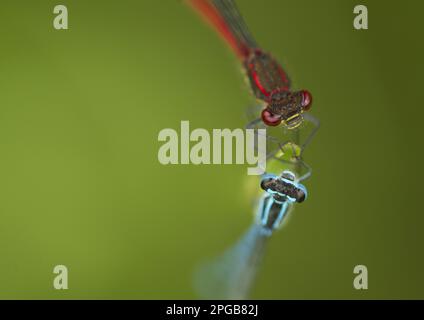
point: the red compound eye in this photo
(307, 100)
(270, 119)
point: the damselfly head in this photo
(286, 107)
(284, 187)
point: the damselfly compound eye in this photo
(301, 193)
(307, 100)
(270, 119)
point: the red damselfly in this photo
(268, 80)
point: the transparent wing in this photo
(231, 275)
(235, 21)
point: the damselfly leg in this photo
(287, 145)
(278, 137)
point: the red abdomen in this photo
(265, 74)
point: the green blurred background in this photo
(80, 183)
